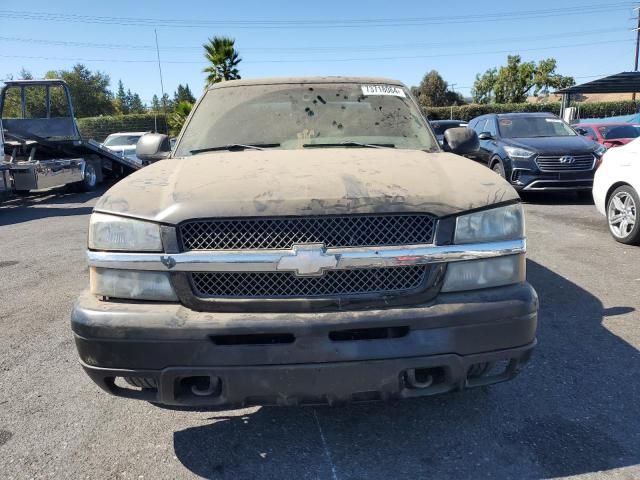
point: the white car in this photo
(124, 143)
(615, 191)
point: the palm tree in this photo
(224, 60)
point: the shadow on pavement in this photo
(43, 204)
(557, 198)
(573, 410)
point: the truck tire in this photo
(90, 179)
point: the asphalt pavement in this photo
(573, 411)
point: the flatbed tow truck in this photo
(42, 145)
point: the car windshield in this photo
(295, 116)
(440, 128)
(531, 127)
(122, 140)
(611, 132)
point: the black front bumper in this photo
(536, 181)
(304, 358)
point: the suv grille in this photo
(284, 232)
(334, 283)
(553, 164)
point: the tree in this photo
(122, 102)
(177, 118)
(433, 91)
(220, 52)
(89, 90)
(155, 103)
(136, 105)
(166, 103)
(514, 82)
(482, 91)
(183, 94)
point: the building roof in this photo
(624, 82)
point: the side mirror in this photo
(152, 147)
(485, 136)
(461, 141)
(581, 131)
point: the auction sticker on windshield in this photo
(383, 90)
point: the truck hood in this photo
(555, 145)
(305, 182)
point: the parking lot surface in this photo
(574, 410)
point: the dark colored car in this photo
(609, 134)
(536, 151)
(441, 126)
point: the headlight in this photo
(518, 153)
(492, 272)
(495, 224)
(130, 284)
(109, 232)
(600, 150)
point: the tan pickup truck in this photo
(307, 241)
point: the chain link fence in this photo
(98, 128)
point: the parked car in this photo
(615, 191)
(313, 244)
(124, 143)
(441, 126)
(609, 134)
(536, 151)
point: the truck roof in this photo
(299, 80)
(46, 81)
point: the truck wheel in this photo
(622, 215)
(89, 181)
(141, 382)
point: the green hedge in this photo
(98, 128)
(606, 109)
(586, 110)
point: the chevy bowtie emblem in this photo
(309, 260)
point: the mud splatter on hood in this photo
(305, 182)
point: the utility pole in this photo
(453, 89)
(635, 68)
(164, 102)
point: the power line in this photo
(342, 48)
(318, 22)
(328, 60)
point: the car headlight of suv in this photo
(600, 150)
(491, 225)
(517, 153)
(113, 233)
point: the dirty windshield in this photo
(295, 116)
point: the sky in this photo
(401, 39)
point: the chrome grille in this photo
(284, 232)
(553, 164)
(334, 283)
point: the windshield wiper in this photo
(349, 144)
(236, 147)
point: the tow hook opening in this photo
(200, 386)
(417, 378)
